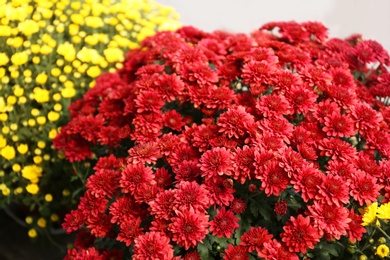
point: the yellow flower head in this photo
(8, 152)
(32, 233)
(3, 58)
(19, 58)
(382, 251)
(369, 214)
(41, 78)
(32, 188)
(22, 148)
(32, 173)
(41, 95)
(53, 116)
(384, 211)
(28, 27)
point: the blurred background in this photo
(371, 18)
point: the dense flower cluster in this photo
(50, 53)
(234, 146)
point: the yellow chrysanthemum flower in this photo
(8, 152)
(369, 214)
(32, 188)
(383, 212)
(32, 173)
(382, 251)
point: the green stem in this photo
(383, 232)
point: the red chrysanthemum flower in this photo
(73, 221)
(257, 72)
(144, 153)
(236, 253)
(290, 161)
(365, 118)
(343, 169)
(182, 152)
(129, 230)
(331, 219)
(238, 206)
(187, 171)
(299, 235)
(133, 176)
(273, 105)
(189, 227)
(221, 190)
(152, 245)
(274, 179)
(91, 205)
(337, 149)
(216, 161)
(368, 164)
(283, 81)
(273, 250)
(100, 225)
(325, 109)
(255, 238)
(163, 205)
(243, 164)
(173, 120)
(277, 126)
(224, 223)
(307, 181)
(162, 178)
(191, 195)
(364, 188)
(83, 253)
(235, 122)
(202, 135)
(84, 239)
(192, 256)
(333, 191)
(167, 142)
(169, 86)
(338, 125)
(355, 228)
(124, 208)
(148, 101)
(103, 183)
(280, 207)
(301, 99)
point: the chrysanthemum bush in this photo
(50, 54)
(273, 145)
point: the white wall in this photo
(371, 18)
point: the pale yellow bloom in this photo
(41, 95)
(22, 148)
(19, 58)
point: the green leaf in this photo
(204, 249)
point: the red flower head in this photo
(299, 235)
(152, 245)
(274, 179)
(224, 223)
(236, 253)
(191, 195)
(273, 250)
(364, 188)
(189, 227)
(333, 191)
(355, 228)
(235, 122)
(307, 181)
(216, 161)
(338, 125)
(255, 238)
(331, 219)
(133, 176)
